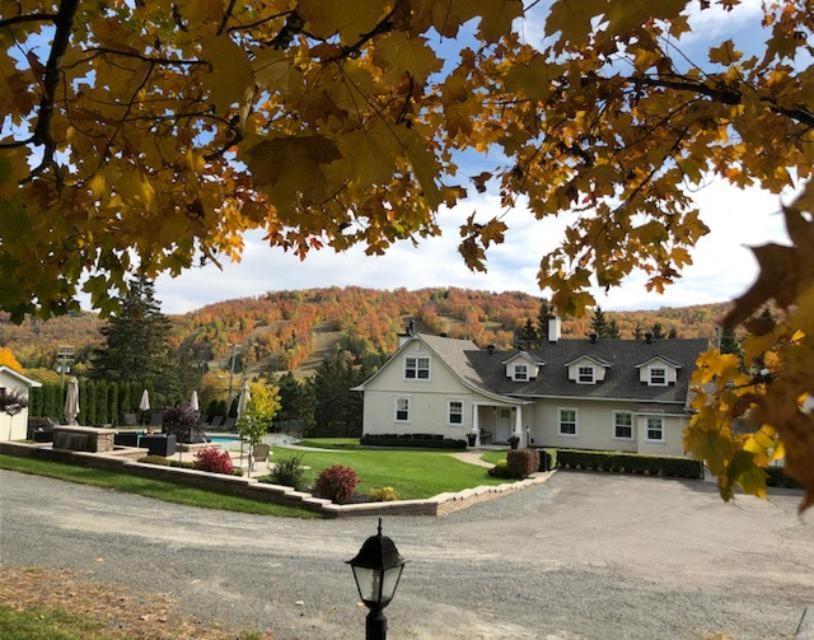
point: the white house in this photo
(624, 395)
(14, 427)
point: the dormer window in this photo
(585, 375)
(416, 368)
(521, 373)
(658, 376)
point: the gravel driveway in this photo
(582, 556)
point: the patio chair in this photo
(229, 424)
(156, 418)
(217, 421)
(261, 452)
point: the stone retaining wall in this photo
(117, 460)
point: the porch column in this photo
(518, 425)
(476, 423)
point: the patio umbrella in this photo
(193, 402)
(72, 401)
(144, 404)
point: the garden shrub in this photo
(180, 421)
(336, 484)
(214, 460)
(182, 464)
(521, 463)
(289, 472)
(383, 494)
(415, 440)
(500, 470)
(629, 463)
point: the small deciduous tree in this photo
(258, 415)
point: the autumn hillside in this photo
(295, 329)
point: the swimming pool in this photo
(224, 439)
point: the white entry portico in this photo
(500, 421)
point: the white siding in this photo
(573, 369)
(644, 372)
(13, 427)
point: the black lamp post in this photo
(377, 569)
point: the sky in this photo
(723, 264)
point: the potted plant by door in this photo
(514, 441)
(472, 439)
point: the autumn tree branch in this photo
(42, 131)
(28, 17)
(724, 95)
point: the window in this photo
(456, 412)
(568, 422)
(585, 375)
(417, 368)
(655, 429)
(658, 375)
(521, 372)
(622, 425)
(402, 409)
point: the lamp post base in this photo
(376, 625)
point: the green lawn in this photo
(47, 624)
(159, 489)
(57, 624)
(494, 456)
(414, 474)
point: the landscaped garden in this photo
(150, 488)
(413, 474)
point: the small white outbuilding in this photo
(14, 427)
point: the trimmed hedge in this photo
(629, 463)
(415, 440)
(776, 477)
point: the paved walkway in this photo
(473, 457)
(583, 556)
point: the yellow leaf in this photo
(231, 74)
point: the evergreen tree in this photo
(90, 401)
(82, 418)
(672, 334)
(613, 330)
(113, 403)
(136, 388)
(637, 332)
(730, 342)
(526, 336)
(543, 316)
(332, 391)
(124, 400)
(102, 417)
(658, 331)
(296, 403)
(48, 401)
(136, 346)
(599, 325)
(35, 401)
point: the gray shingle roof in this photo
(621, 379)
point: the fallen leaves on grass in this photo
(122, 613)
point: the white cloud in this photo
(723, 267)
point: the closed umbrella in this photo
(243, 400)
(72, 401)
(144, 404)
(193, 402)
(242, 403)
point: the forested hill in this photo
(295, 329)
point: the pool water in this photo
(224, 440)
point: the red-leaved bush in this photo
(522, 463)
(214, 460)
(336, 484)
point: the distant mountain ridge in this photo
(296, 329)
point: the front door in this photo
(503, 424)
